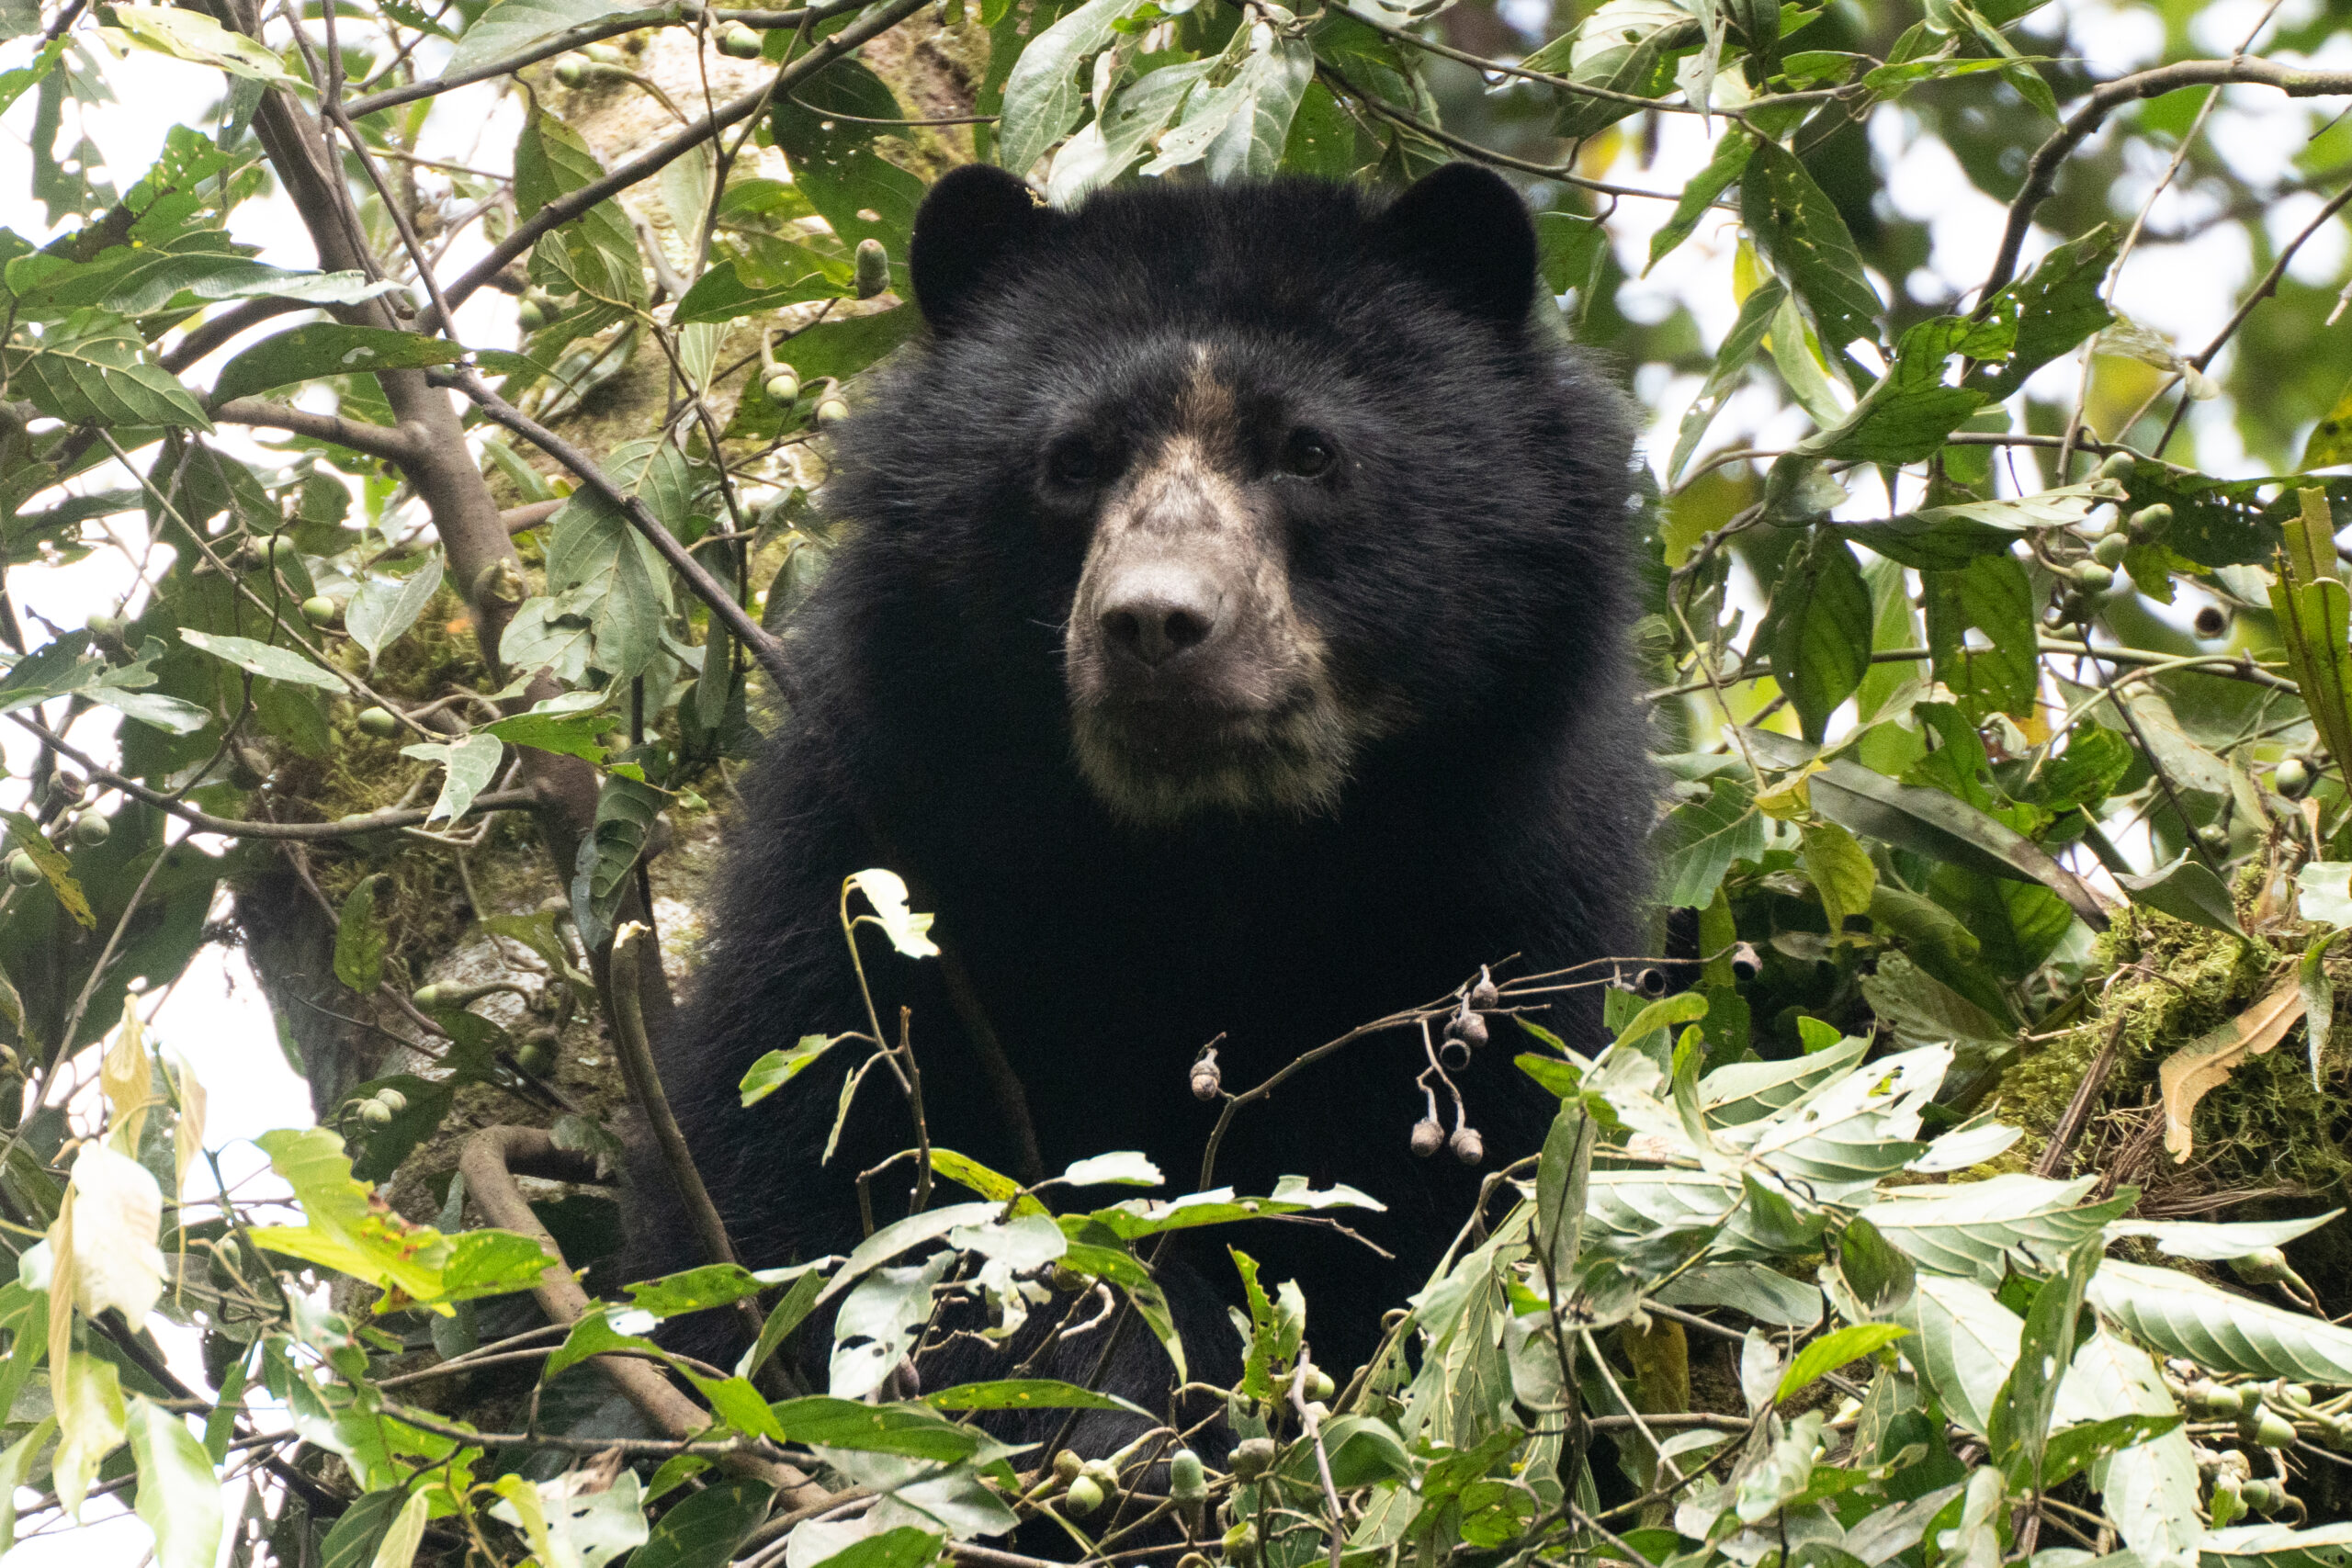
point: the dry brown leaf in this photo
(2191, 1072)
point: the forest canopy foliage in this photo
(442, 404)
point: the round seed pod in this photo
(2212, 1400)
(105, 625)
(375, 1112)
(1320, 1384)
(225, 1250)
(22, 871)
(739, 42)
(391, 1099)
(2109, 551)
(1467, 1146)
(1428, 1138)
(1484, 995)
(530, 315)
(2291, 779)
(1453, 1054)
(783, 384)
(2118, 466)
(2214, 836)
(1252, 1458)
(2093, 577)
(603, 53)
(91, 829)
(572, 72)
(1240, 1544)
(1066, 1466)
(873, 268)
(320, 609)
(2257, 1495)
(1085, 1495)
(1207, 1082)
(535, 1059)
(1651, 982)
(2262, 1267)
(378, 722)
(2148, 519)
(425, 997)
(283, 550)
(831, 412)
(1467, 1027)
(1193, 1558)
(1188, 1479)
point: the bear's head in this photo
(1282, 472)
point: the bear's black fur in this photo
(1438, 491)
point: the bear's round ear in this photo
(1464, 229)
(972, 221)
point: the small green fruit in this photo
(91, 829)
(22, 871)
(831, 412)
(378, 722)
(320, 609)
(1241, 1544)
(225, 1250)
(2109, 551)
(2093, 577)
(572, 72)
(535, 1059)
(105, 625)
(530, 315)
(374, 1113)
(426, 998)
(2273, 1431)
(2212, 1400)
(873, 268)
(783, 384)
(1084, 1497)
(2256, 1495)
(391, 1099)
(2292, 779)
(1187, 1479)
(2118, 466)
(283, 550)
(603, 53)
(739, 42)
(1067, 1465)
(1252, 1458)
(1320, 1384)
(2148, 520)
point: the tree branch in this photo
(214, 331)
(366, 822)
(2041, 171)
(394, 443)
(564, 209)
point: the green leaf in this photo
(1798, 229)
(693, 1289)
(601, 571)
(91, 1424)
(1833, 1350)
(906, 1546)
(1909, 411)
(99, 376)
(1731, 151)
(180, 1497)
(196, 37)
(470, 765)
(567, 724)
(383, 608)
(398, 1549)
(777, 1068)
(2149, 1491)
(2054, 309)
(2021, 1417)
(1701, 839)
(1239, 127)
(1818, 630)
(327, 348)
(625, 811)
(1972, 1228)
(1841, 869)
(594, 1335)
(2076, 1449)
(2178, 1315)
(1964, 1343)
(911, 1429)
(2277, 1546)
(15, 1468)
(360, 938)
(1026, 1393)
(705, 1530)
(1729, 372)
(353, 1540)
(595, 253)
(789, 1314)
(510, 27)
(2188, 889)
(724, 294)
(1992, 595)
(1627, 46)
(263, 659)
(1043, 98)
(820, 127)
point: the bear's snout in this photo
(1159, 613)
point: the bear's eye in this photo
(1307, 453)
(1073, 462)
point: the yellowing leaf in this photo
(127, 1080)
(2191, 1072)
(90, 1425)
(188, 1140)
(117, 1214)
(887, 891)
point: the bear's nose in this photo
(1157, 614)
